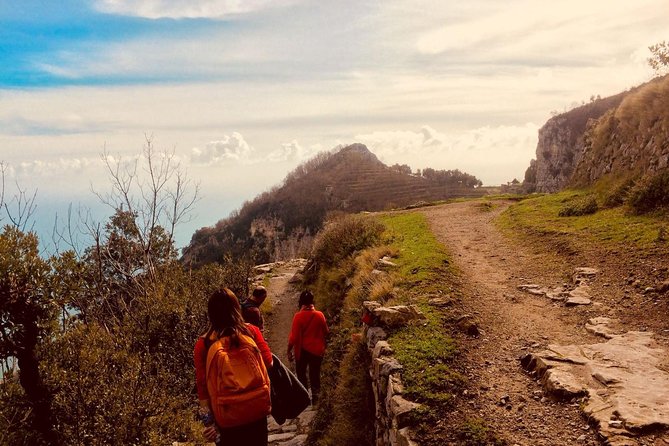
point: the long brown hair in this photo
(225, 316)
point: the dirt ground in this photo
(513, 322)
(283, 297)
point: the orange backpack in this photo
(237, 381)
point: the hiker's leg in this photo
(315, 376)
(301, 369)
(252, 434)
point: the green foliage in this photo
(116, 369)
(351, 404)
(649, 194)
(608, 227)
(420, 256)
(27, 317)
(579, 206)
(617, 193)
(475, 432)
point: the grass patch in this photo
(475, 432)
(420, 256)
(425, 350)
(608, 227)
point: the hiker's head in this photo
(259, 294)
(306, 298)
(224, 311)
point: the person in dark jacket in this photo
(251, 307)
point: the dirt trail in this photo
(283, 298)
(512, 322)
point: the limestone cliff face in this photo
(561, 143)
(630, 140)
(622, 135)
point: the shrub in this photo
(579, 206)
(649, 194)
(617, 195)
(343, 237)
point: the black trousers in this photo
(252, 434)
(313, 362)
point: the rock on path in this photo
(625, 388)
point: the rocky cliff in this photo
(619, 135)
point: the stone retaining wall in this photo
(392, 410)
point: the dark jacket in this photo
(289, 397)
(252, 314)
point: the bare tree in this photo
(20, 207)
(155, 192)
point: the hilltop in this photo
(281, 222)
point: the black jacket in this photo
(289, 397)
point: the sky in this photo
(243, 91)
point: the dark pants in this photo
(314, 363)
(252, 434)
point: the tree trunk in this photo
(37, 394)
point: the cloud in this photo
(179, 9)
(493, 154)
(229, 148)
(534, 31)
(234, 149)
(292, 151)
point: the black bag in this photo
(289, 397)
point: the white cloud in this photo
(178, 9)
(494, 154)
(229, 148)
(533, 30)
(58, 167)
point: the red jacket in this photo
(308, 332)
(200, 359)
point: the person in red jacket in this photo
(307, 338)
(225, 319)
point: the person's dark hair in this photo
(225, 316)
(306, 298)
(260, 292)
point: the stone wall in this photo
(392, 409)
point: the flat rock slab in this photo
(627, 393)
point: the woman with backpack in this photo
(307, 338)
(231, 363)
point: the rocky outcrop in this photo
(628, 132)
(577, 293)
(561, 142)
(624, 387)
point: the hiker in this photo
(307, 337)
(251, 307)
(231, 362)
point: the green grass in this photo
(609, 227)
(420, 255)
(425, 350)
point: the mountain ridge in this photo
(282, 222)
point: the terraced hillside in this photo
(280, 223)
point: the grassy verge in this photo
(611, 228)
(425, 350)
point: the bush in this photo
(580, 206)
(617, 195)
(649, 194)
(343, 237)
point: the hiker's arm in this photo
(265, 352)
(292, 338)
(200, 362)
